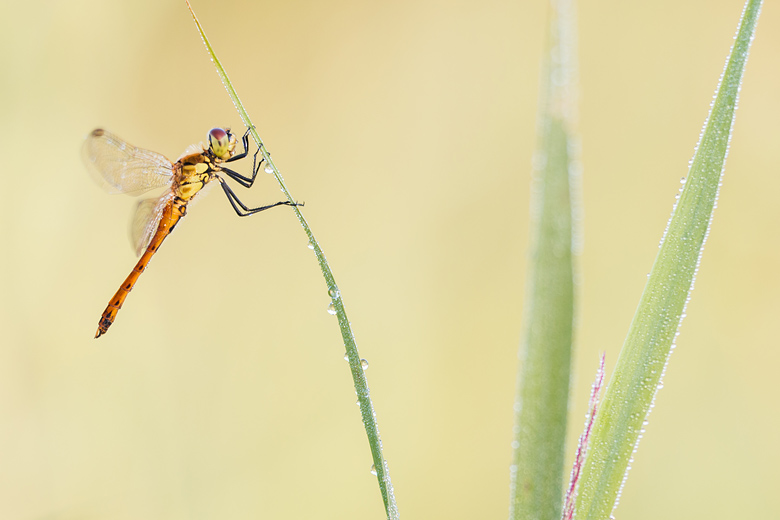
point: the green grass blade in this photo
(541, 404)
(640, 366)
(358, 375)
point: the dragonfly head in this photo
(221, 142)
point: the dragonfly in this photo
(120, 167)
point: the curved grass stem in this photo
(358, 376)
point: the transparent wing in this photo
(145, 221)
(121, 167)
(193, 148)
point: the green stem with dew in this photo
(337, 305)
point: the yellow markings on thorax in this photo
(193, 177)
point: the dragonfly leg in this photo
(245, 142)
(241, 209)
(246, 182)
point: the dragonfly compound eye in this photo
(219, 142)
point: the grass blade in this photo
(642, 361)
(337, 305)
(541, 402)
(582, 445)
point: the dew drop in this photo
(333, 292)
(310, 245)
(364, 364)
(331, 309)
(346, 356)
(373, 469)
(268, 168)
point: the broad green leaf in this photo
(630, 393)
(541, 403)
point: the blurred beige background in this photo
(408, 129)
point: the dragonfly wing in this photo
(123, 168)
(145, 221)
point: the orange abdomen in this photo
(172, 213)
